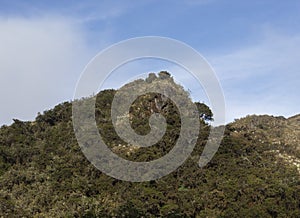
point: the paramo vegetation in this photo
(43, 172)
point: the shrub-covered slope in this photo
(43, 172)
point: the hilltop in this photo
(255, 173)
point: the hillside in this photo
(255, 173)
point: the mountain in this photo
(255, 173)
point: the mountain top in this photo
(255, 172)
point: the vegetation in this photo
(43, 172)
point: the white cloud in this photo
(40, 61)
(262, 78)
(95, 10)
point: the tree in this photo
(204, 112)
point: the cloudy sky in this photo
(253, 46)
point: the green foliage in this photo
(204, 112)
(43, 172)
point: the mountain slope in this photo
(43, 172)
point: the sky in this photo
(253, 46)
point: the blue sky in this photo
(252, 45)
